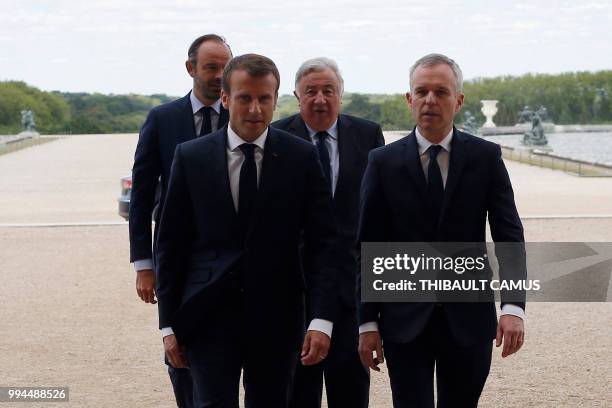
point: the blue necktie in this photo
(206, 121)
(324, 156)
(247, 187)
(435, 186)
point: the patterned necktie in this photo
(435, 186)
(206, 121)
(324, 155)
(247, 187)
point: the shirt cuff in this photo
(166, 331)
(141, 264)
(514, 310)
(322, 325)
(368, 327)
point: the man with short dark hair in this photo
(438, 184)
(343, 143)
(230, 287)
(198, 113)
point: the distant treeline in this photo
(64, 113)
(570, 98)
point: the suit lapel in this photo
(346, 153)
(223, 117)
(413, 163)
(456, 164)
(298, 128)
(218, 162)
(187, 130)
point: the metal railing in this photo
(550, 161)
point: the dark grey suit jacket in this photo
(356, 137)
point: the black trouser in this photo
(347, 381)
(221, 350)
(461, 372)
(182, 384)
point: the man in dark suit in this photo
(437, 185)
(196, 114)
(343, 142)
(230, 285)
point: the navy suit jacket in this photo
(392, 209)
(356, 137)
(200, 246)
(165, 127)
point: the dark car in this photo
(126, 192)
(124, 198)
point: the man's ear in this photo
(409, 99)
(225, 99)
(459, 104)
(296, 97)
(190, 68)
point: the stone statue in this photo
(525, 115)
(27, 121)
(469, 123)
(543, 113)
(535, 136)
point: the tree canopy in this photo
(570, 98)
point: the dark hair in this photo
(192, 53)
(254, 65)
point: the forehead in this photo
(327, 77)
(440, 75)
(241, 81)
(213, 50)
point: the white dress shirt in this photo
(198, 119)
(443, 159)
(331, 142)
(198, 116)
(235, 158)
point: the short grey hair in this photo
(431, 60)
(318, 65)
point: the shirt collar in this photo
(196, 104)
(332, 131)
(234, 141)
(424, 143)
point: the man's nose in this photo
(430, 99)
(255, 107)
(319, 97)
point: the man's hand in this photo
(315, 348)
(174, 352)
(370, 342)
(145, 285)
(512, 330)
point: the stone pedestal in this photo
(489, 109)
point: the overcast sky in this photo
(124, 46)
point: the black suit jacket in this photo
(392, 209)
(165, 127)
(200, 245)
(356, 137)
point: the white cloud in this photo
(140, 46)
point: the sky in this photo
(123, 46)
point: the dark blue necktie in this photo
(247, 188)
(324, 155)
(206, 121)
(435, 186)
